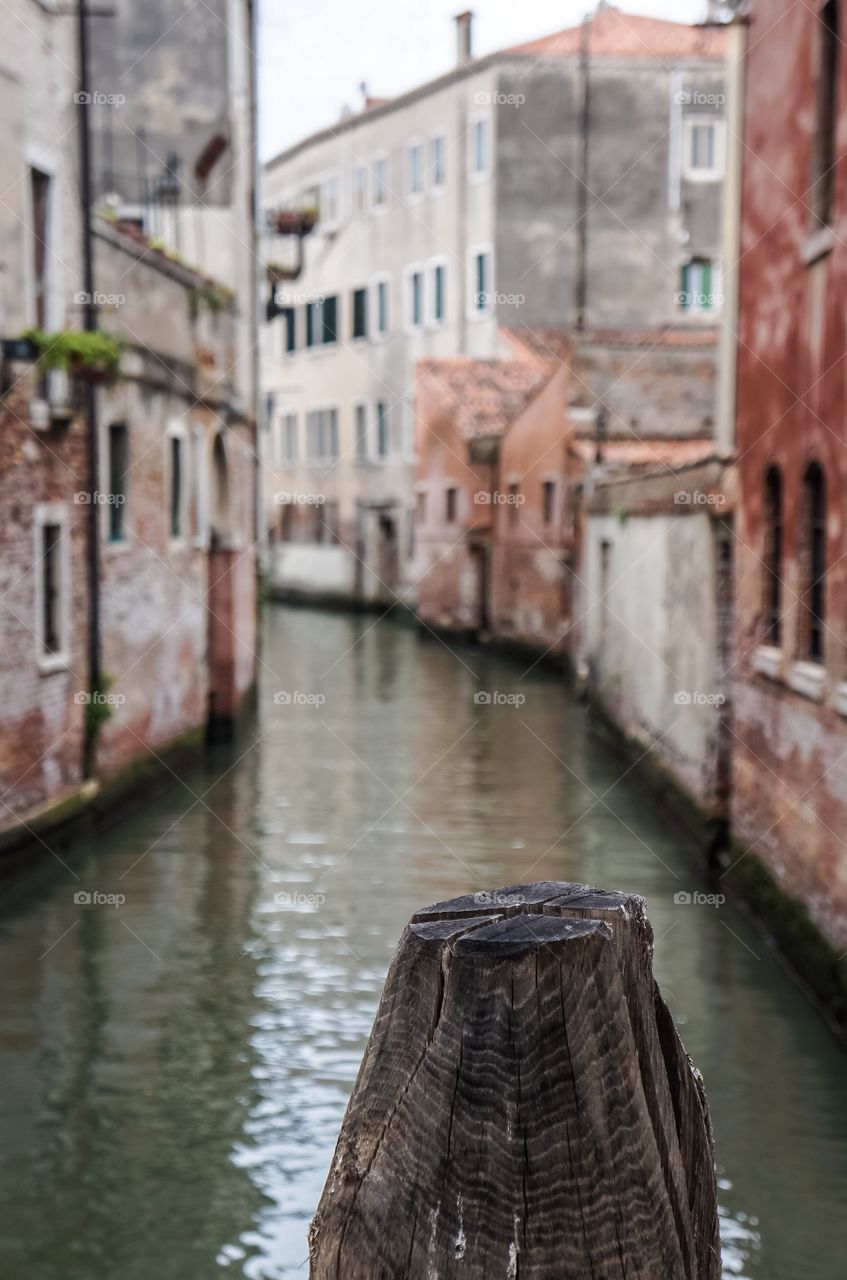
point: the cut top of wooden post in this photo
(524, 1107)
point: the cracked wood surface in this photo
(525, 1109)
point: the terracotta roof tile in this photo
(614, 34)
(483, 397)
(646, 452)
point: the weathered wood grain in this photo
(524, 1107)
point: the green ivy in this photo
(77, 347)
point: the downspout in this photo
(92, 450)
(731, 238)
(581, 295)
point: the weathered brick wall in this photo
(789, 789)
(41, 728)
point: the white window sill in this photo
(767, 660)
(808, 679)
(817, 245)
(47, 666)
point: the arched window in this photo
(814, 561)
(773, 556)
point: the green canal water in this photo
(175, 1068)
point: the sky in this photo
(314, 54)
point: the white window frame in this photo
(326, 223)
(326, 461)
(698, 309)
(412, 146)
(361, 206)
(419, 269)
(376, 334)
(474, 174)
(433, 321)
(377, 456)
(359, 286)
(380, 157)
(474, 251)
(716, 172)
(282, 457)
(176, 431)
(48, 164)
(435, 187)
(45, 513)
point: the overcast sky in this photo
(314, 54)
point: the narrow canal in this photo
(175, 1068)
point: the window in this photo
(439, 292)
(329, 320)
(382, 429)
(480, 282)
(451, 502)
(360, 313)
(289, 437)
(322, 435)
(703, 155)
(40, 194)
(329, 204)
(415, 298)
(289, 329)
(380, 181)
(360, 188)
(381, 318)
(416, 168)
(361, 416)
(118, 468)
(199, 491)
(548, 500)
(479, 147)
(513, 503)
(313, 314)
(827, 113)
(814, 562)
(773, 556)
(331, 523)
(699, 283)
(437, 162)
(51, 592)
(420, 506)
(176, 496)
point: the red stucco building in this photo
(789, 784)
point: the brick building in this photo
(172, 495)
(789, 780)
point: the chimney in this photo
(464, 37)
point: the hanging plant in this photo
(96, 356)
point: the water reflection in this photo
(175, 1070)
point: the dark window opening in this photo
(420, 512)
(450, 504)
(176, 487)
(51, 588)
(40, 189)
(382, 429)
(814, 595)
(548, 497)
(289, 322)
(329, 328)
(360, 313)
(827, 113)
(773, 556)
(118, 469)
(513, 504)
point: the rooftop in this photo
(483, 397)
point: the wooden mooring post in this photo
(525, 1108)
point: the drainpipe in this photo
(736, 32)
(90, 324)
(581, 292)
